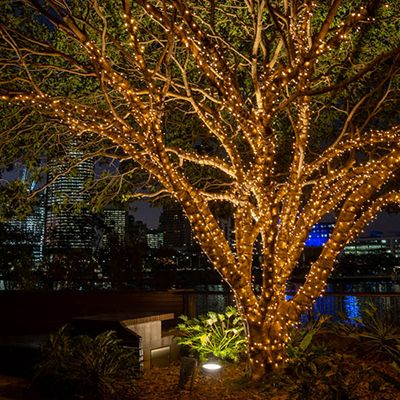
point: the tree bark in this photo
(266, 346)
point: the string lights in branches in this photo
(258, 99)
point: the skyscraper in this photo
(176, 228)
(115, 224)
(31, 229)
(69, 224)
(155, 239)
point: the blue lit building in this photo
(319, 234)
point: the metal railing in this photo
(349, 305)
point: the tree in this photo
(15, 258)
(283, 110)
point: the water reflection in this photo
(352, 307)
(349, 299)
(213, 302)
(364, 287)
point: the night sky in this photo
(388, 223)
(147, 213)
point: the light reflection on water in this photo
(352, 307)
(364, 287)
(348, 302)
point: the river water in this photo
(346, 299)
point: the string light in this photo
(272, 209)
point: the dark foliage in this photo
(85, 367)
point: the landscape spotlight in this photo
(212, 367)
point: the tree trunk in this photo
(266, 346)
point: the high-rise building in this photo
(69, 224)
(155, 239)
(115, 224)
(176, 228)
(374, 245)
(136, 231)
(227, 226)
(30, 230)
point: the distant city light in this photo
(319, 234)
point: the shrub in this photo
(315, 369)
(312, 370)
(379, 334)
(98, 368)
(373, 335)
(220, 335)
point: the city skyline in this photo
(387, 223)
(148, 213)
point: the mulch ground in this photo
(17, 388)
(163, 384)
(159, 384)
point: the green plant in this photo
(317, 369)
(374, 335)
(318, 373)
(98, 368)
(396, 361)
(301, 338)
(379, 334)
(312, 370)
(220, 335)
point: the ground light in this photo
(212, 367)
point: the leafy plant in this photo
(312, 370)
(318, 373)
(374, 334)
(396, 361)
(220, 335)
(379, 335)
(98, 368)
(317, 369)
(302, 338)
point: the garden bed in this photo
(162, 384)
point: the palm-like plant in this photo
(379, 334)
(220, 335)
